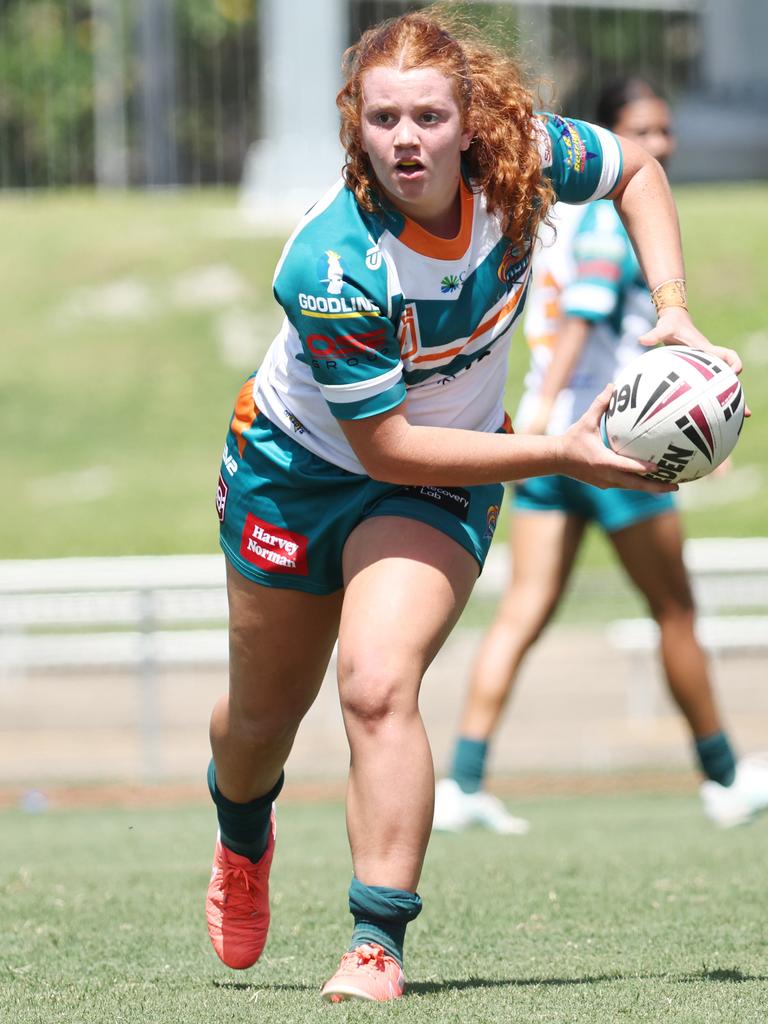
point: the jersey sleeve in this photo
(339, 307)
(583, 160)
(602, 263)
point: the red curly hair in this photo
(503, 159)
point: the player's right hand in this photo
(585, 456)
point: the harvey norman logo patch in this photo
(273, 548)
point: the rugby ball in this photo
(678, 407)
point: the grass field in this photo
(613, 909)
(130, 321)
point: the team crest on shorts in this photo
(273, 548)
(491, 519)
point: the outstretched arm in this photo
(644, 202)
(395, 451)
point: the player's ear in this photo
(466, 138)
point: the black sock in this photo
(244, 828)
(716, 758)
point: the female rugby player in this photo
(359, 490)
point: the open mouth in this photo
(409, 167)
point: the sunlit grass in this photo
(129, 322)
(613, 908)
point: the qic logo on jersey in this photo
(273, 548)
(331, 272)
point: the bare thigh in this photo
(406, 586)
(543, 548)
(652, 554)
(280, 642)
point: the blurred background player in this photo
(588, 307)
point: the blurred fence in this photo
(129, 639)
(167, 92)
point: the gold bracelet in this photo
(670, 293)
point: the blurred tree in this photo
(192, 119)
(48, 92)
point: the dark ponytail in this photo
(619, 94)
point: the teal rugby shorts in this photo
(613, 509)
(286, 514)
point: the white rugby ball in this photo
(678, 407)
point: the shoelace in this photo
(368, 957)
(239, 885)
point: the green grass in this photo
(624, 908)
(113, 424)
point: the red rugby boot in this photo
(365, 973)
(237, 904)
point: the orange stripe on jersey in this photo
(506, 426)
(245, 413)
(444, 354)
(486, 325)
(421, 241)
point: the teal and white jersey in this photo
(378, 312)
(586, 268)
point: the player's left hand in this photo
(675, 327)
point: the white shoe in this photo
(456, 810)
(747, 795)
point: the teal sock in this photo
(381, 916)
(244, 828)
(716, 758)
(468, 768)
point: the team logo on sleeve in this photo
(576, 153)
(331, 272)
(349, 348)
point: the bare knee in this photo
(524, 613)
(374, 695)
(675, 612)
